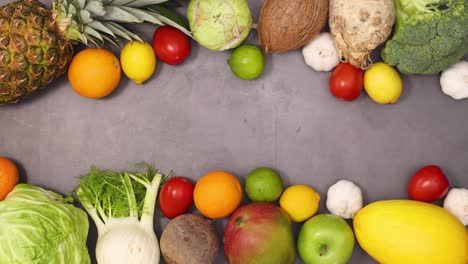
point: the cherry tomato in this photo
(346, 82)
(176, 196)
(171, 45)
(428, 184)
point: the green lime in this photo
(263, 185)
(247, 61)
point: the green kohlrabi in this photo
(38, 226)
(219, 25)
(122, 206)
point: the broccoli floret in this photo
(429, 36)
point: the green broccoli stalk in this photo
(429, 36)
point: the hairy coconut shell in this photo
(286, 25)
(189, 239)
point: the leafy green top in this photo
(109, 194)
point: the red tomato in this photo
(176, 196)
(346, 82)
(171, 45)
(428, 184)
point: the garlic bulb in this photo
(320, 53)
(454, 80)
(456, 202)
(344, 199)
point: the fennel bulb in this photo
(122, 206)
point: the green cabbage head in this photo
(42, 227)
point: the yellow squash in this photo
(411, 232)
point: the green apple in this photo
(325, 239)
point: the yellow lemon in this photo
(300, 202)
(383, 83)
(138, 61)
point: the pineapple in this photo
(36, 44)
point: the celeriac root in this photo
(359, 26)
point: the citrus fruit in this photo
(217, 194)
(263, 185)
(300, 202)
(383, 83)
(94, 73)
(247, 61)
(138, 61)
(9, 177)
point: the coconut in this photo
(286, 25)
(189, 239)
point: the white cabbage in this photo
(38, 226)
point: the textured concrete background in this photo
(198, 117)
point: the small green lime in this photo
(263, 185)
(247, 61)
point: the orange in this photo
(9, 177)
(94, 73)
(217, 194)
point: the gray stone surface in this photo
(198, 117)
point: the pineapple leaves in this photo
(93, 33)
(76, 35)
(85, 17)
(122, 32)
(100, 21)
(143, 3)
(115, 13)
(101, 27)
(142, 14)
(72, 10)
(79, 3)
(95, 8)
(169, 22)
(120, 2)
(113, 41)
(161, 11)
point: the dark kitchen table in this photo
(198, 117)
